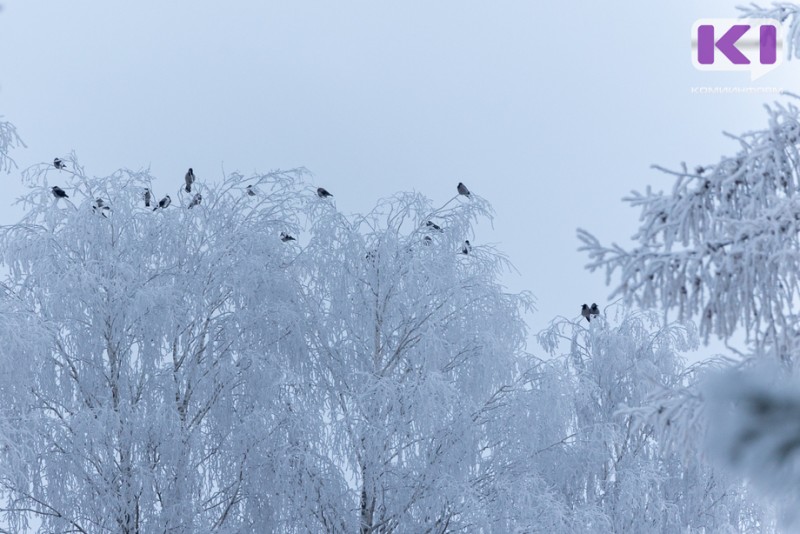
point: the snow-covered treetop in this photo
(722, 246)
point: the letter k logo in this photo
(726, 44)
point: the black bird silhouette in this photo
(286, 237)
(594, 310)
(163, 203)
(58, 164)
(251, 191)
(462, 190)
(189, 180)
(198, 198)
(467, 248)
(99, 204)
(322, 192)
(58, 192)
(586, 312)
(431, 224)
(147, 197)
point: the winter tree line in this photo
(193, 370)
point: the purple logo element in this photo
(728, 44)
(769, 44)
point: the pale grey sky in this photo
(551, 111)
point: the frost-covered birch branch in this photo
(9, 139)
(722, 246)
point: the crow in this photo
(467, 248)
(594, 310)
(322, 192)
(251, 191)
(286, 237)
(462, 190)
(433, 225)
(58, 192)
(58, 164)
(198, 198)
(147, 197)
(586, 312)
(99, 204)
(189, 180)
(163, 203)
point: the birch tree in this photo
(721, 248)
(164, 338)
(611, 473)
(249, 359)
(413, 344)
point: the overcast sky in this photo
(551, 111)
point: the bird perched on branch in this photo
(148, 196)
(163, 203)
(100, 204)
(251, 191)
(58, 164)
(594, 310)
(189, 180)
(431, 224)
(462, 190)
(586, 312)
(467, 248)
(323, 193)
(198, 198)
(58, 192)
(286, 237)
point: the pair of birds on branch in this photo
(323, 193)
(590, 311)
(99, 203)
(167, 200)
(196, 199)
